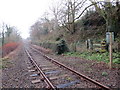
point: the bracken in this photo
(7, 48)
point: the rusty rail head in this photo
(48, 82)
(74, 71)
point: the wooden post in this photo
(110, 51)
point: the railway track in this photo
(57, 75)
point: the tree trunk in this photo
(2, 41)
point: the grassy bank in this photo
(96, 56)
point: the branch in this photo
(100, 11)
(82, 2)
(84, 10)
(67, 29)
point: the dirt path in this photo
(16, 74)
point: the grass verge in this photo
(4, 62)
(96, 56)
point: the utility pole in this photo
(2, 40)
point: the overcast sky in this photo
(22, 13)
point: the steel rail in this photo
(48, 82)
(74, 71)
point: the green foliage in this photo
(61, 47)
(92, 18)
(4, 62)
(96, 56)
(104, 74)
(118, 39)
(68, 78)
(117, 61)
(58, 47)
(116, 58)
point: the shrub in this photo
(61, 47)
(7, 48)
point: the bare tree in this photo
(8, 32)
(42, 27)
(68, 11)
(56, 10)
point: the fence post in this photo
(110, 51)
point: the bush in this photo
(61, 47)
(7, 48)
(57, 47)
